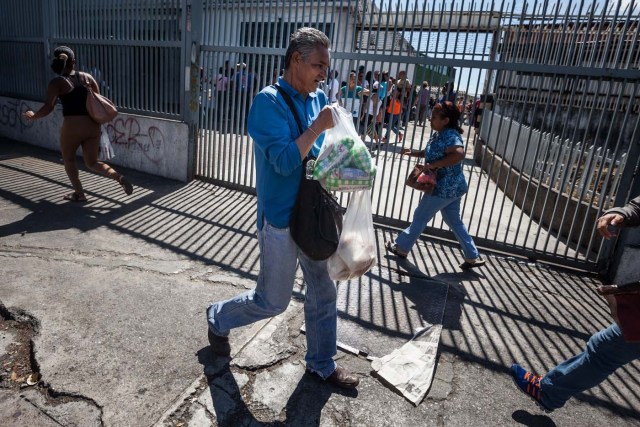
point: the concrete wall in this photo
(602, 128)
(150, 145)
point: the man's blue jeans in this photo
(606, 351)
(450, 210)
(278, 263)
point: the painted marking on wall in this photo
(128, 133)
(11, 114)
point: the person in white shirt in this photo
(332, 87)
(371, 124)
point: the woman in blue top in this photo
(444, 154)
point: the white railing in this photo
(589, 173)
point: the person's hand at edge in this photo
(608, 223)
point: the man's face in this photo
(310, 71)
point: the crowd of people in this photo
(383, 104)
(234, 86)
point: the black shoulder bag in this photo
(316, 220)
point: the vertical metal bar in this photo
(377, 28)
(599, 166)
(382, 172)
(611, 35)
(540, 153)
(631, 62)
(206, 130)
(617, 57)
(220, 20)
(542, 150)
(470, 119)
(575, 138)
(560, 177)
(235, 13)
(590, 158)
(147, 66)
(515, 55)
(214, 16)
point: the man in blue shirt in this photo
(280, 150)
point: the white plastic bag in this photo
(343, 149)
(356, 252)
(106, 150)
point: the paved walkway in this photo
(115, 290)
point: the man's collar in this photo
(291, 90)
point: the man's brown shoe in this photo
(219, 344)
(342, 378)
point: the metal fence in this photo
(566, 166)
(134, 49)
(564, 69)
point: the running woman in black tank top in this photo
(78, 128)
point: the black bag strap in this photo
(289, 102)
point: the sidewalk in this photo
(112, 294)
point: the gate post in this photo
(622, 265)
(191, 60)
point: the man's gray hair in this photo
(305, 41)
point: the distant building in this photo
(342, 22)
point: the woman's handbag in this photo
(421, 179)
(99, 107)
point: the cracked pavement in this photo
(119, 287)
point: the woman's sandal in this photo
(479, 262)
(75, 197)
(126, 185)
(393, 248)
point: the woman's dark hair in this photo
(449, 110)
(62, 57)
(369, 77)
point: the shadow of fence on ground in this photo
(508, 311)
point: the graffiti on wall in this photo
(127, 133)
(11, 115)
